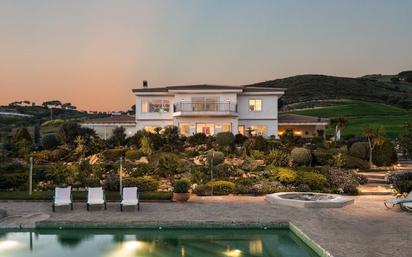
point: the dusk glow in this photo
(92, 53)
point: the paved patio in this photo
(365, 229)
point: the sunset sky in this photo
(92, 53)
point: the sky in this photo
(93, 52)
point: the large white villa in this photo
(210, 109)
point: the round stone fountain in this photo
(309, 199)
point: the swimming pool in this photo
(151, 242)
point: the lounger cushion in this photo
(62, 196)
(95, 195)
(129, 196)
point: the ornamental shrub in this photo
(259, 143)
(112, 154)
(143, 184)
(168, 164)
(141, 169)
(322, 157)
(133, 155)
(401, 181)
(181, 186)
(352, 162)
(197, 139)
(385, 154)
(360, 150)
(50, 141)
(225, 138)
(203, 190)
(257, 155)
(200, 174)
(277, 158)
(224, 171)
(216, 156)
(314, 180)
(14, 181)
(222, 187)
(92, 182)
(286, 175)
(301, 156)
(342, 180)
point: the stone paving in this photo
(364, 229)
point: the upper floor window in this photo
(255, 105)
(155, 105)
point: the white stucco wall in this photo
(269, 107)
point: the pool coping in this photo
(181, 225)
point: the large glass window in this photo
(207, 103)
(241, 129)
(259, 130)
(184, 129)
(255, 105)
(205, 128)
(226, 127)
(155, 105)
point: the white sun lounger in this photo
(95, 196)
(130, 197)
(399, 200)
(62, 196)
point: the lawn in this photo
(361, 114)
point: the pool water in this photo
(156, 243)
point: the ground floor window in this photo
(259, 130)
(226, 127)
(151, 129)
(205, 128)
(241, 129)
(184, 129)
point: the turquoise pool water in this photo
(156, 243)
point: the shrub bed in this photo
(143, 184)
(221, 187)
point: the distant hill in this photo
(304, 89)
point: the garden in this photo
(162, 162)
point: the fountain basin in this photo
(309, 200)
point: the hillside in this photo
(361, 114)
(303, 89)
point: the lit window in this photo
(205, 128)
(255, 105)
(226, 127)
(259, 130)
(151, 129)
(155, 105)
(241, 129)
(184, 129)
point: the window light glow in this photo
(9, 245)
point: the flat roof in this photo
(208, 87)
(300, 119)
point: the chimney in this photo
(145, 84)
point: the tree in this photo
(405, 141)
(23, 141)
(171, 136)
(50, 141)
(376, 136)
(146, 145)
(68, 132)
(406, 75)
(339, 123)
(118, 137)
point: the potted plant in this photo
(181, 190)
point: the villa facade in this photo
(209, 109)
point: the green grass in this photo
(81, 196)
(361, 114)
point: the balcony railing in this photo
(205, 107)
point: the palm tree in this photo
(376, 136)
(339, 123)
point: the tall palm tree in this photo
(376, 136)
(339, 123)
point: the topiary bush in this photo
(314, 180)
(133, 155)
(112, 154)
(360, 150)
(143, 184)
(277, 158)
(385, 154)
(50, 141)
(222, 187)
(225, 139)
(216, 156)
(301, 156)
(181, 186)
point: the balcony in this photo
(205, 109)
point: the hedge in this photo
(221, 187)
(144, 184)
